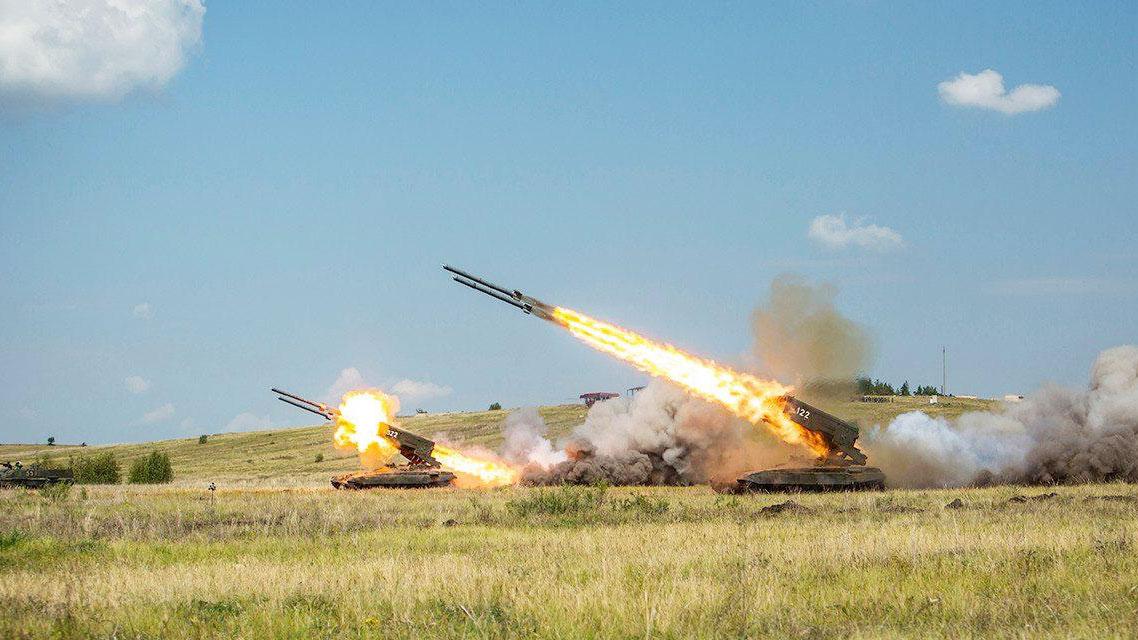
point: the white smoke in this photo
(526, 441)
(1056, 435)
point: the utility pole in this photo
(943, 369)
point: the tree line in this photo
(868, 387)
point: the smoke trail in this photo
(1056, 435)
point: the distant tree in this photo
(202, 438)
(319, 458)
(83, 444)
(864, 386)
(926, 390)
(101, 468)
(497, 406)
(904, 389)
(51, 441)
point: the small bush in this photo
(497, 406)
(56, 491)
(153, 469)
(202, 438)
(565, 500)
(101, 468)
(641, 503)
(51, 441)
(11, 539)
(319, 458)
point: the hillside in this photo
(288, 456)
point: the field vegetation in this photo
(275, 552)
(147, 562)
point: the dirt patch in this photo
(955, 504)
(1039, 498)
(1111, 499)
(789, 506)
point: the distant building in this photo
(598, 396)
(1013, 398)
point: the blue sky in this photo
(265, 198)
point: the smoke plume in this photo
(1056, 435)
(659, 436)
(664, 436)
(802, 339)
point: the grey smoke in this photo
(659, 436)
(1055, 435)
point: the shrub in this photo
(640, 503)
(101, 468)
(153, 469)
(497, 406)
(565, 500)
(56, 491)
(319, 458)
(51, 441)
(202, 438)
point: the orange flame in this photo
(483, 473)
(362, 424)
(753, 399)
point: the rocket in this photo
(516, 298)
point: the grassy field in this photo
(277, 553)
(579, 562)
(288, 456)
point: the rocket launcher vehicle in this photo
(422, 470)
(840, 467)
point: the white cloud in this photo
(143, 310)
(349, 379)
(986, 90)
(161, 414)
(249, 422)
(835, 232)
(1053, 286)
(137, 384)
(419, 390)
(93, 49)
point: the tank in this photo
(842, 468)
(817, 478)
(394, 478)
(33, 476)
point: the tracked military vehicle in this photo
(15, 474)
(422, 470)
(842, 468)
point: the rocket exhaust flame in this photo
(753, 399)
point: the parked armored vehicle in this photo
(15, 474)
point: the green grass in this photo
(288, 456)
(581, 562)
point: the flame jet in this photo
(755, 400)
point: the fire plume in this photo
(751, 398)
(360, 423)
(483, 473)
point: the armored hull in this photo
(819, 478)
(394, 479)
(34, 477)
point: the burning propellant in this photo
(363, 421)
(751, 398)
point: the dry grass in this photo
(131, 562)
